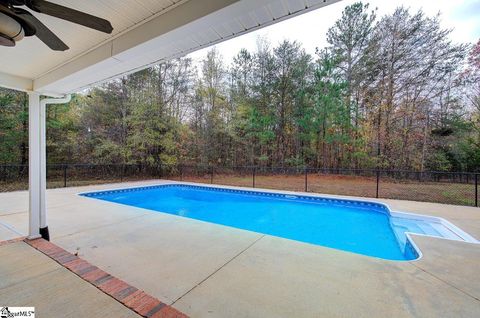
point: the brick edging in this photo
(133, 298)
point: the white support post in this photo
(44, 232)
(43, 170)
(34, 164)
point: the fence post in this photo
(180, 167)
(378, 183)
(476, 190)
(253, 176)
(122, 168)
(306, 179)
(211, 175)
(64, 176)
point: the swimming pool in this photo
(361, 227)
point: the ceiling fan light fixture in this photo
(6, 41)
(10, 28)
(17, 23)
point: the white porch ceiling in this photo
(145, 32)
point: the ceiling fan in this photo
(17, 23)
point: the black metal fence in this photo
(460, 188)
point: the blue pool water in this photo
(354, 226)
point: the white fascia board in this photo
(173, 19)
(16, 82)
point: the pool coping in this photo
(465, 237)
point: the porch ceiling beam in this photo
(15, 82)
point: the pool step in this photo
(429, 229)
(437, 229)
(446, 232)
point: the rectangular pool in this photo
(361, 227)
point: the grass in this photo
(439, 192)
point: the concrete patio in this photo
(29, 278)
(208, 270)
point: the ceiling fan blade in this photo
(71, 15)
(43, 33)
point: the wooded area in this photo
(390, 92)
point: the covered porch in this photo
(184, 266)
